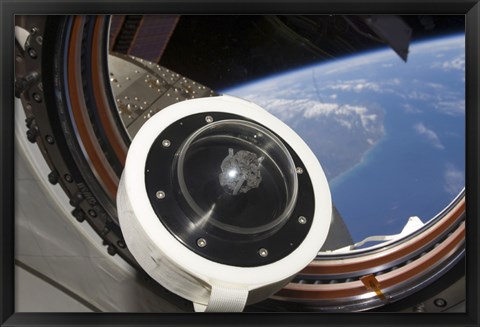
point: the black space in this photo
(224, 51)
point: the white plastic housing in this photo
(217, 286)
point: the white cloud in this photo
(435, 86)
(345, 123)
(289, 109)
(422, 96)
(442, 98)
(320, 109)
(429, 135)
(452, 108)
(457, 63)
(357, 86)
(410, 109)
(454, 179)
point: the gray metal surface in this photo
(142, 88)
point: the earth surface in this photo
(389, 135)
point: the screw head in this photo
(201, 242)
(160, 195)
(68, 178)
(209, 119)
(53, 177)
(111, 250)
(440, 302)
(32, 135)
(79, 215)
(299, 170)
(121, 244)
(302, 220)
(49, 139)
(263, 252)
(32, 53)
(166, 143)
(37, 97)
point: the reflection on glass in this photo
(237, 176)
(389, 134)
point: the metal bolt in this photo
(302, 220)
(160, 195)
(209, 119)
(263, 252)
(37, 97)
(32, 53)
(53, 177)
(299, 170)
(76, 199)
(92, 213)
(68, 178)
(440, 302)
(166, 143)
(32, 135)
(79, 215)
(121, 244)
(201, 242)
(112, 250)
(49, 139)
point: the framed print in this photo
(287, 163)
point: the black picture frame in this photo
(8, 9)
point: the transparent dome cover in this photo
(237, 176)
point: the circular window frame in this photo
(400, 267)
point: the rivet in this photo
(49, 139)
(302, 220)
(166, 143)
(68, 178)
(32, 53)
(299, 170)
(160, 195)
(121, 244)
(440, 302)
(37, 97)
(263, 252)
(201, 242)
(209, 119)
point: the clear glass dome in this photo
(236, 176)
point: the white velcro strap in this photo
(224, 299)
